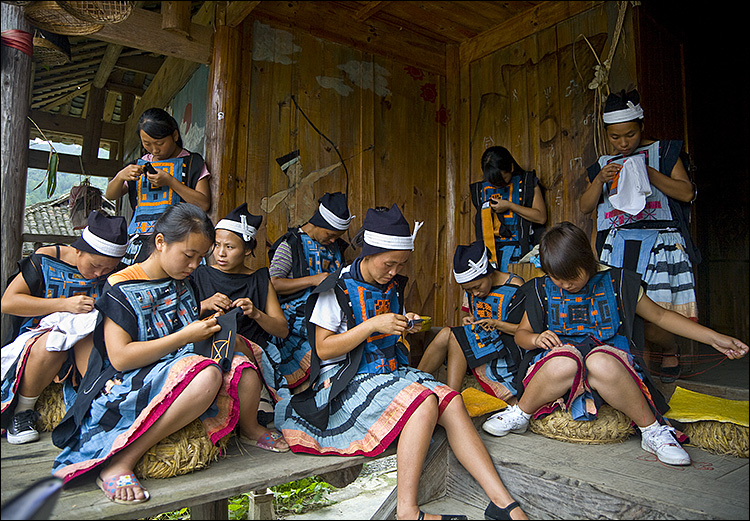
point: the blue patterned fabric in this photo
(46, 277)
(294, 350)
(130, 401)
(370, 411)
(491, 355)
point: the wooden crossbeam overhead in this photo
(368, 10)
(143, 30)
(238, 11)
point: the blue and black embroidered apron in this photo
(600, 317)
(150, 203)
(46, 277)
(311, 258)
(358, 404)
(507, 236)
(111, 403)
(491, 354)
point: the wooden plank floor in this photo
(243, 469)
(560, 480)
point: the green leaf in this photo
(52, 173)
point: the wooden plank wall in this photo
(384, 117)
(532, 97)
(415, 138)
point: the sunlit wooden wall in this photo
(413, 137)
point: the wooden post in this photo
(16, 89)
(175, 17)
(222, 117)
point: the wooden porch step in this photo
(244, 469)
(558, 480)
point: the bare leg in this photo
(249, 392)
(552, 381)
(189, 405)
(456, 364)
(413, 443)
(663, 343)
(614, 384)
(41, 367)
(81, 351)
(472, 454)
(436, 351)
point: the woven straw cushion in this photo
(610, 426)
(186, 450)
(51, 407)
(719, 437)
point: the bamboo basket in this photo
(48, 52)
(105, 12)
(49, 16)
(610, 426)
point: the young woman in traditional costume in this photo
(300, 260)
(228, 283)
(164, 176)
(646, 229)
(484, 342)
(144, 379)
(363, 394)
(580, 325)
(52, 299)
(509, 203)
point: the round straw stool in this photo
(186, 450)
(51, 407)
(724, 438)
(610, 426)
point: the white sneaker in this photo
(510, 419)
(661, 441)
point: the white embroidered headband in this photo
(476, 270)
(631, 113)
(333, 219)
(110, 249)
(392, 242)
(244, 229)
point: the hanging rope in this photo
(600, 83)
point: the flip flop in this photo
(267, 442)
(111, 486)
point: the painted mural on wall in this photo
(188, 107)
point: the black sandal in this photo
(495, 512)
(457, 517)
(669, 374)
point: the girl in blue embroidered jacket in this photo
(580, 318)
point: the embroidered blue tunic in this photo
(309, 258)
(115, 407)
(492, 355)
(46, 277)
(365, 408)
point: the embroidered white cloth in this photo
(65, 329)
(632, 186)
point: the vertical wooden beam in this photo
(222, 116)
(92, 136)
(175, 17)
(14, 131)
(456, 181)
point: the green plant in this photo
(301, 495)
